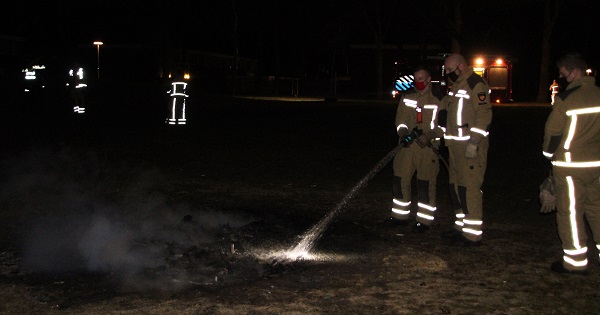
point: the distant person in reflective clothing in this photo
(77, 84)
(178, 94)
(34, 76)
(554, 90)
(572, 142)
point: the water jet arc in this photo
(311, 236)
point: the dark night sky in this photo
(301, 33)
(199, 24)
(288, 25)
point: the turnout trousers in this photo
(425, 163)
(577, 200)
(465, 180)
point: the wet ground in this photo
(114, 212)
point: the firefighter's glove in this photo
(403, 137)
(405, 140)
(471, 150)
(547, 195)
(425, 139)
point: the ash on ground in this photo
(176, 257)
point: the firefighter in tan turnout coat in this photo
(467, 112)
(572, 142)
(417, 109)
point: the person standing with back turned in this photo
(468, 114)
(572, 142)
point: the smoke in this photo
(75, 213)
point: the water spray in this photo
(310, 237)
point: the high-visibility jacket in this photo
(467, 110)
(77, 80)
(572, 132)
(417, 110)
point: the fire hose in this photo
(414, 136)
(311, 236)
(436, 151)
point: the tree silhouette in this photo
(378, 14)
(551, 10)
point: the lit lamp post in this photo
(98, 43)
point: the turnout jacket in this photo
(466, 111)
(572, 131)
(414, 104)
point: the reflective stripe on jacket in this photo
(469, 111)
(413, 103)
(572, 132)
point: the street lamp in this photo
(98, 43)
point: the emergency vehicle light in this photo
(480, 61)
(479, 70)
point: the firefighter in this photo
(178, 96)
(34, 77)
(554, 90)
(30, 78)
(77, 84)
(572, 142)
(466, 115)
(416, 113)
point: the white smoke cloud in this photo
(70, 224)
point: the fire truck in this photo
(497, 71)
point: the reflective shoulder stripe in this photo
(573, 114)
(462, 94)
(581, 111)
(410, 103)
